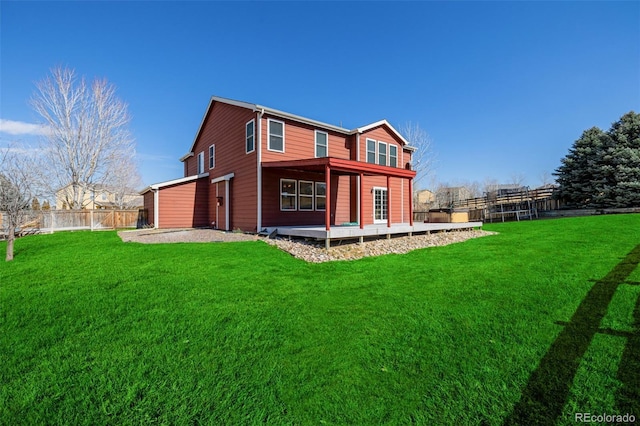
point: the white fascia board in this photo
(187, 155)
(383, 122)
(303, 120)
(240, 104)
(177, 181)
(228, 176)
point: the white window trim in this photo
(395, 156)
(367, 151)
(246, 135)
(312, 196)
(201, 163)
(386, 153)
(269, 121)
(295, 196)
(212, 156)
(373, 198)
(326, 140)
(316, 196)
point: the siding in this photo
(148, 202)
(183, 205)
(225, 127)
(300, 142)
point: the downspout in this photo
(359, 185)
(259, 171)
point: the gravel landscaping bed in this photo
(308, 250)
(314, 251)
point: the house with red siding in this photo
(251, 167)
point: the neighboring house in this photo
(423, 199)
(251, 167)
(100, 197)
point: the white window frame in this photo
(326, 146)
(212, 156)
(374, 152)
(269, 121)
(386, 153)
(301, 195)
(383, 210)
(201, 163)
(394, 156)
(294, 195)
(320, 196)
(252, 136)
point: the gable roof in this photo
(298, 118)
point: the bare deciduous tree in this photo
(18, 186)
(423, 157)
(125, 183)
(87, 136)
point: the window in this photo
(201, 163)
(305, 196)
(287, 194)
(276, 135)
(321, 195)
(250, 140)
(212, 156)
(382, 153)
(371, 151)
(322, 144)
(379, 205)
(393, 155)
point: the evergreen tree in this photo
(35, 204)
(574, 176)
(45, 205)
(626, 164)
(603, 169)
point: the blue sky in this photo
(502, 88)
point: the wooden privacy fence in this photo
(68, 220)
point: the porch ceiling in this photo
(342, 166)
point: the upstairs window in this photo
(382, 153)
(201, 163)
(371, 151)
(276, 135)
(249, 136)
(322, 144)
(288, 194)
(393, 155)
(212, 156)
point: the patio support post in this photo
(327, 207)
(410, 201)
(360, 201)
(388, 201)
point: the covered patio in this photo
(339, 166)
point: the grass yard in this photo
(529, 326)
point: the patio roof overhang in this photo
(341, 166)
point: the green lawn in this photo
(494, 330)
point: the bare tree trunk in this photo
(10, 239)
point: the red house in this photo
(251, 167)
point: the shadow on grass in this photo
(548, 388)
